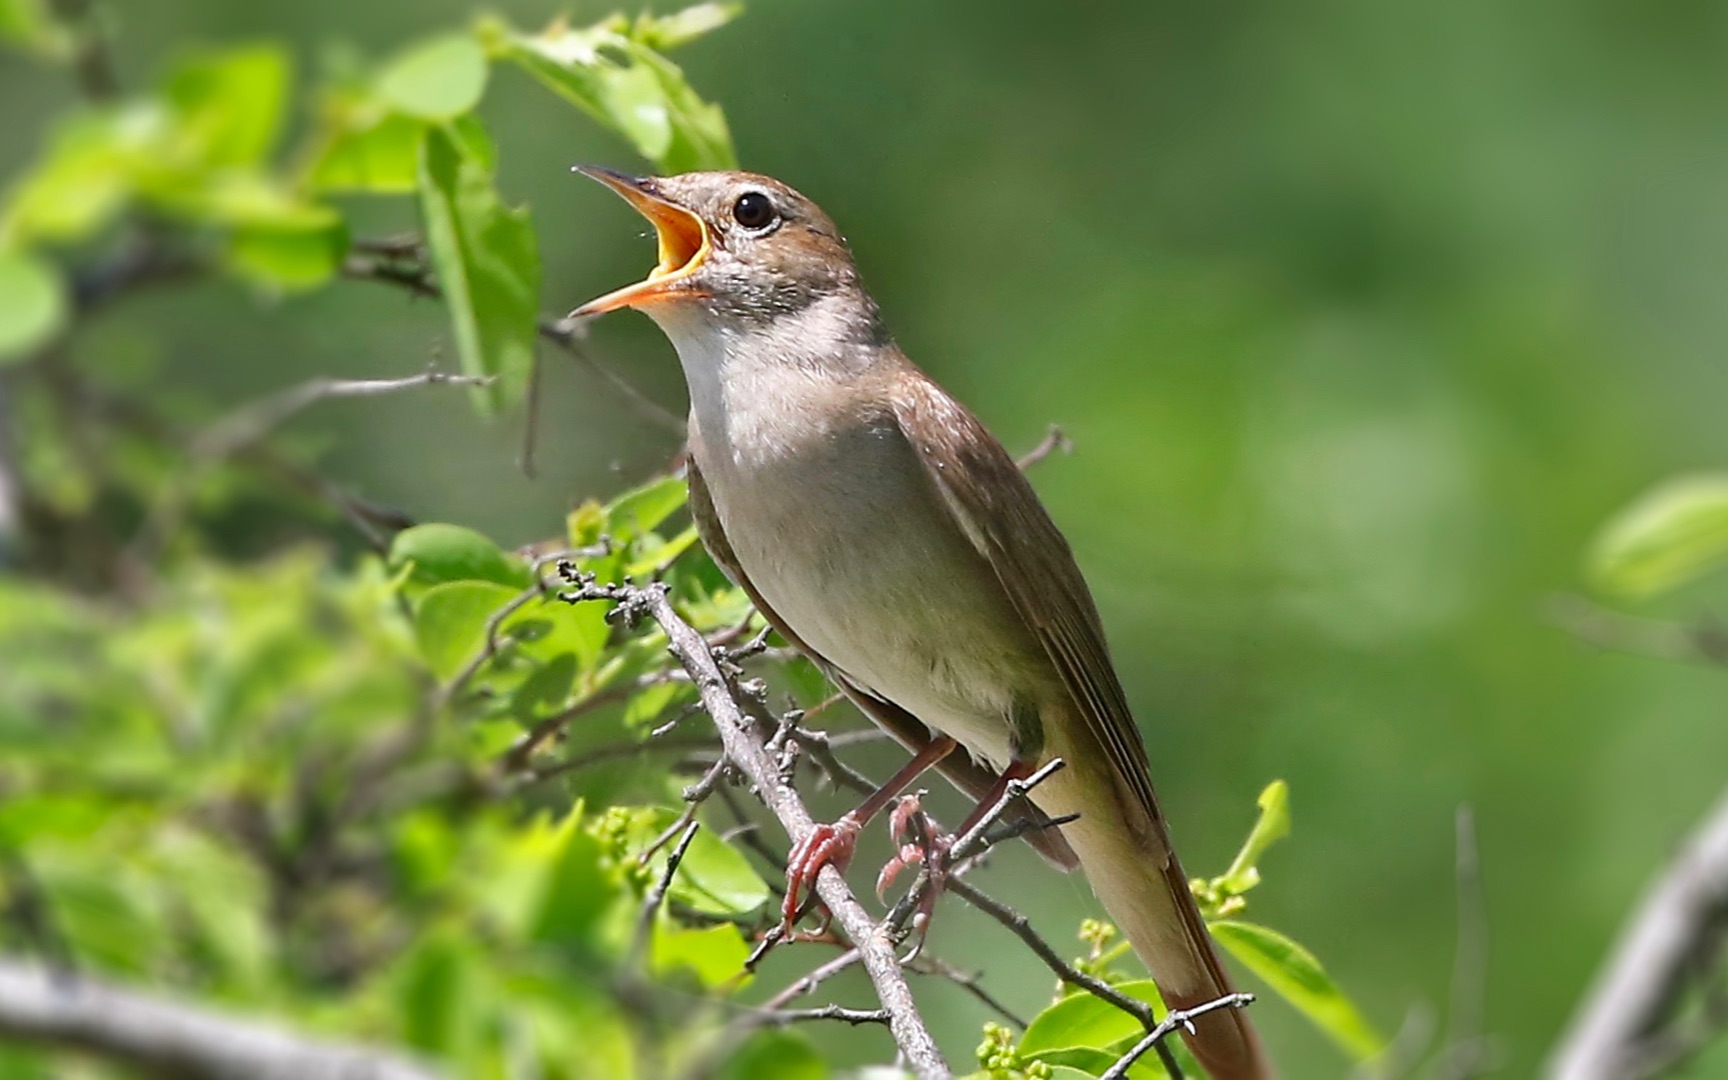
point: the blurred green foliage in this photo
(1365, 317)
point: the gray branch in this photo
(174, 1039)
(1621, 1030)
(745, 747)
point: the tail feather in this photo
(1128, 860)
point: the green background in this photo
(1362, 317)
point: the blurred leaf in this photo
(228, 104)
(370, 150)
(715, 954)
(287, 258)
(665, 32)
(486, 259)
(782, 1055)
(437, 994)
(27, 23)
(440, 552)
(577, 889)
(85, 176)
(1082, 1021)
(438, 79)
(1670, 535)
(32, 304)
(1295, 974)
(450, 622)
(639, 511)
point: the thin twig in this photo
(1704, 642)
(252, 422)
(657, 895)
(1054, 439)
(828, 1012)
(1466, 1053)
(1173, 1020)
(413, 275)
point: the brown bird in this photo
(889, 537)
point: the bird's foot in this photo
(920, 845)
(826, 845)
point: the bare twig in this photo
(657, 895)
(252, 422)
(1174, 1020)
(1703, 642)
(1624, 1028)
(828, 1012)
(1021, 928)
(615, 751)
(1467, 1050)
(744, 746)
(172, 1039)
(1055, 439)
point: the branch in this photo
(744, 747)
(1678, 932)
(173, 1039)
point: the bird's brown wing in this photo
(1000, 513)
(975, 780)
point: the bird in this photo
(887, 535)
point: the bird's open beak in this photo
(683, 243)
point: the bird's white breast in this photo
(827, 511)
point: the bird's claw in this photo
(919, 844)
(826, 845)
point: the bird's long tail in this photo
(1126, 855)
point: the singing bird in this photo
(885, 533)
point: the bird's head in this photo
(733, 245)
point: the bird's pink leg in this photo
(833, 844)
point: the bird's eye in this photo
(753, 210)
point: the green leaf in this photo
(640, 511)
(700, 137)
(715, 878)
(626, 85)
(85, 176)
(577, 891)
(782, 1055)
(441, 552)
(1082, 1021)
(228, 104)
(486, 260)
(450, 622)
(1295, 974)
(715, 954)
(368, 150)
(1272, 826)
(438, 79)
(437, 993)
(32, 304)
(1671, 535)
(665, 32)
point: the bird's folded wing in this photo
(999, 512)
(975, 780)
